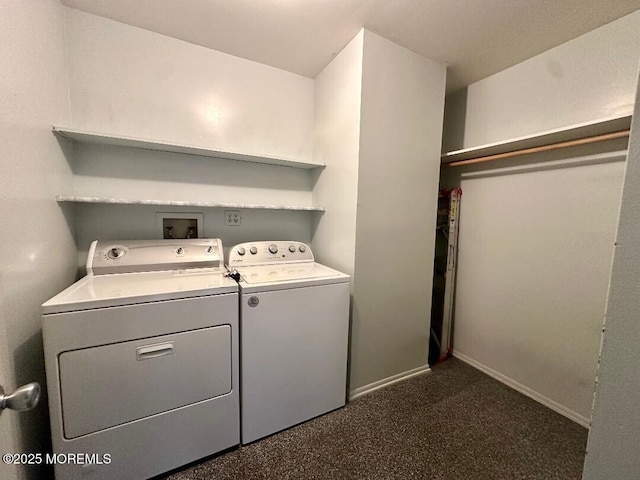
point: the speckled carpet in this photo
(455, 423)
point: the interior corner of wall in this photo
(454, 120)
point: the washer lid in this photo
(98, 291)
(291, 275)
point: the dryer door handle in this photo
(154, 351)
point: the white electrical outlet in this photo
(232, 218)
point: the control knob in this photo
(179, 250)
(210, 249)
(253, 250)
(292, 248)
(241, 251)
(115, 253)
(273, 248)
(302, 248)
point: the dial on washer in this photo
(115, 253)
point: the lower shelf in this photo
(180, 203)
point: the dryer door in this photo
(114, 384)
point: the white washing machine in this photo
(294, 321)
(142, 360)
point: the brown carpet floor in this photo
(455, 423)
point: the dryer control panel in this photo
(153, 255)
(266, 253)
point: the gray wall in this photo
(613, 449)
(37, 237)
(336, 142)
(455, 111)
(535, 251)
(588, 78)
(132, 81)
(126, 222)
(378, 126)
(399, 163)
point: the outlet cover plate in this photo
(232, 218)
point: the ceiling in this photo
(475, 38)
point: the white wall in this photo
(378, 126)
(37, 236)
(338, 90)
(536, 244)
(399, 162)
(120, 172)
(612, 449)
(533, 268)
(585, 79)
(134, 82)
(8, 441)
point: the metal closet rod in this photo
(542, 148)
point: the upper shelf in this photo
(560, 135)
(184, 203)
(124, 141)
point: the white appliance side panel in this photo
(114, 384)
(294, 356)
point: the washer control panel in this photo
(153, 255)
(261, 253)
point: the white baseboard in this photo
(385, 382)
(552, 404)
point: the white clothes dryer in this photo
(142, 360)
(294, 321)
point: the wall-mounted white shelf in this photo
(179, 203)
(145, 144)
(550, 137)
